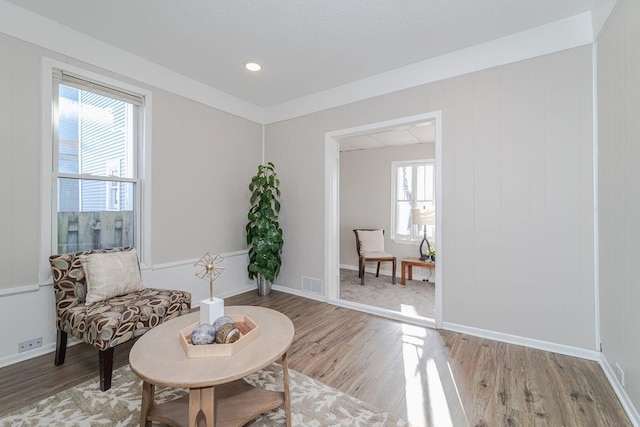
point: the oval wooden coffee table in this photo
(215, 384)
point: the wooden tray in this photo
(249, 331)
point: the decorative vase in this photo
(264, 285)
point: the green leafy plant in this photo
(264, 235)
(432, 253)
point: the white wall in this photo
(517, 221)
(618, 72)
(518, 184)
(517, 175)
(365, 197)
(34, 311)
(202, 161)
(19, 162)
(302, 180)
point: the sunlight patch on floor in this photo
(455, 386)
(409, 310)
(439, 408)
(413, 340)
(424, 392)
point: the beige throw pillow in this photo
(110, 275)
(371, 241)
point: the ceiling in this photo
(405, 135)
(305, 46)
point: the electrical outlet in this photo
(417, 271)
(29, 345)
(620, 374)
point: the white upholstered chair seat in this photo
(376, 255)
(370, 246)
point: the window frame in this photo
(416, 236)
(112, 190)
(49, 161)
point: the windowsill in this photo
(412, 242)
(408, 242)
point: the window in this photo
(97, 138)
(413, 186)
(113, 187)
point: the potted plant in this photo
(264, 235)
(432, 253)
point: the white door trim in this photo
(332, 201)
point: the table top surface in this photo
(158, 357)
(417, 260)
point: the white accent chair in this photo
(370, 247)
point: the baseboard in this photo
(21, 357)
(238, 291)
(299, 293)
(626, 402)
(384, 272)
(45, 349)
(523, 341)
(620, 391)
(223, 295)
(421, 321)
(389, 314)
(511, 339)
(51, 347)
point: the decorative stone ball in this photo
(203, 334)
(227, 334)
(221, 321)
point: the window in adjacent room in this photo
(97, 139)
(413, 186)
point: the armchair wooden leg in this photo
(106, 368)
(361, 271)
(61, 347)
(393, 273)
(378, 270)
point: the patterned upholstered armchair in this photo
(107, 323)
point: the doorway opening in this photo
(362, 186)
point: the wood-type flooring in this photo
(429, 377)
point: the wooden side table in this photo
(216, 388)
(409, 263)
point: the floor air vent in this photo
(310, 284)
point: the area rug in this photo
(415, 298)
(313, 404)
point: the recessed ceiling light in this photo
(253, 66)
